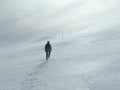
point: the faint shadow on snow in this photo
(35, 78)
(42, 38)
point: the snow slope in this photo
(88, 61)
(85, 45)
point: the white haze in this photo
(24, 19)
(85, 37)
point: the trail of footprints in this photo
(36, 80)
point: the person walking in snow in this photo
(48, 50)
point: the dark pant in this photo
(47, 55)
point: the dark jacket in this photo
(48, 47)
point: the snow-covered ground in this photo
(85, 37)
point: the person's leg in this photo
(47, 55)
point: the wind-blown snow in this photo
(85, 37)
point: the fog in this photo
(23, 19)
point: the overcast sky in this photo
(37, 15)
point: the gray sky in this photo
(37, 15)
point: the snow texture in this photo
(85, 37)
